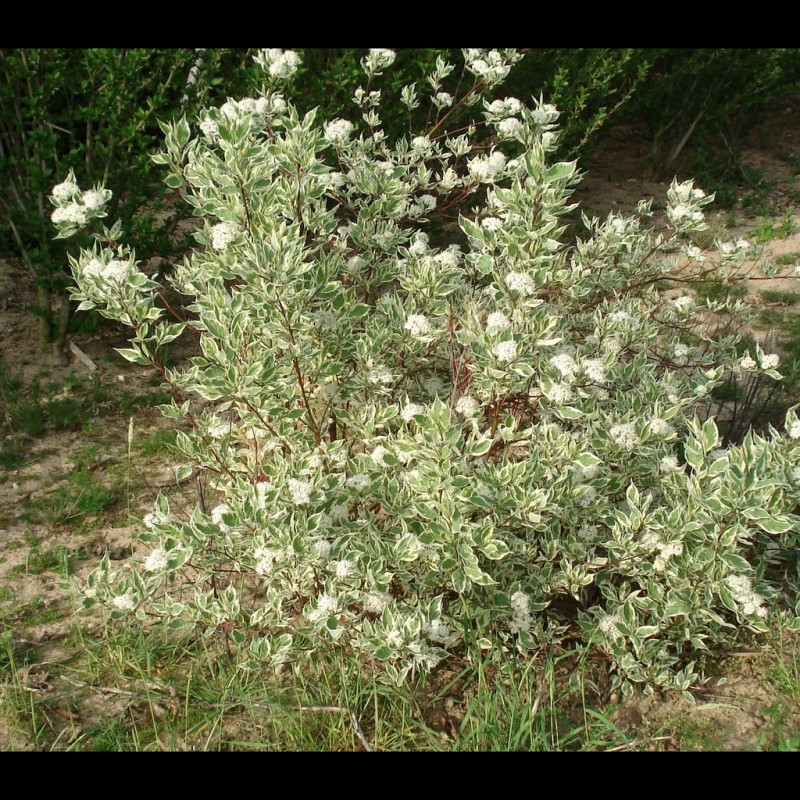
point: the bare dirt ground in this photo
(42, 535)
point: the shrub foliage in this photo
(475, 438)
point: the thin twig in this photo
(744, 654)
(66, 657)
(636, 742)
(103, 689)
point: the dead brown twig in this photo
(205, 704)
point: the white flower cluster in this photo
(443, 99)
(770, 361)
(262, 487)
(255, 111)
(64, 192)
(75, 209)
(322, 547)
(326, 320)
(421, 145)
(153, 519)
(343, 568)
(265, 558)
(115, 270)
(156, 561)
(747, 364)
(379, 454)
(358, 482)
(505, 351)
(235, 109)
(300, 491)
(682, 212)
(338, 131)
(380, 374)
(418, 325)
(222, 234)
(378, 59)
(521, 614)
(216, 516)
(487, 169)
(666, 550)
(587, 497)
(92, 199)
(581, 473)
(209, 128)
(219, 429)
(467, 405)
(680, 350)
(433, 385)
(326, 606)
(520, 282)
(438, 631)
(504, 108)
(733, 250)
(496, 322)
(566, 366)
(611, 344)
(278, 63)
(545, 114)
(621, 319)
(449, 258)
(419, 244)
(509, 127)
(670, 464)
(683, 304)
(595, 369)
(410, 410)
(660, 427)
(559, 393)
(608, 626)
(693, 253)
(489, 66)
(124, 602)
(375, 602)
(625, 435)
(491, 223)
(684, 206)
(750, 602)
(332, 180)
(423, 204)
(74, 214)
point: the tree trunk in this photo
(53, 324)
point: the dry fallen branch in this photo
(205, 704)
(87, 362)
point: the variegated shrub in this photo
(419, 443)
